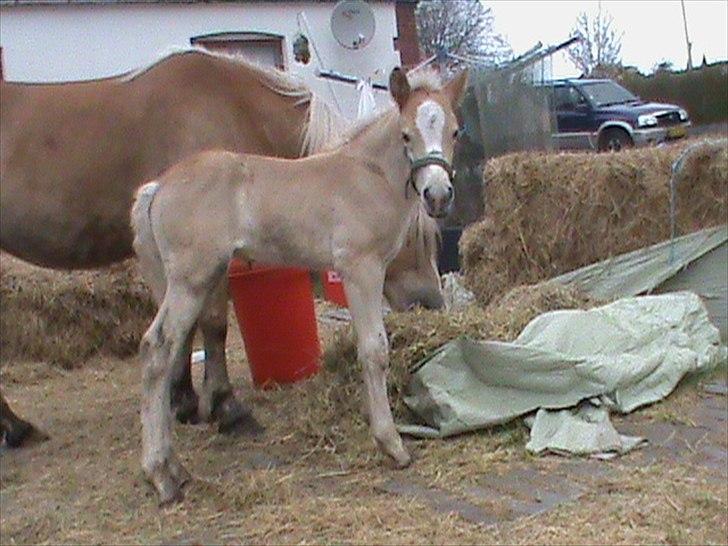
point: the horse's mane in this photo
(323, 126)
(425, 78)
(277, 80)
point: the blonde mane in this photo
(426, 78)
(277, 80)
(323, 126)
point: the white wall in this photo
(77, 42)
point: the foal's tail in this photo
(151, 265)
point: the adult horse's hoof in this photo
(234, 418)
(24, 434)
(184, 406)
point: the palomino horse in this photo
(347, 209)
(72, 155)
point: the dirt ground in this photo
(293, 485)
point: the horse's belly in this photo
(284, 245)
(87, 243)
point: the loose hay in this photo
(326, 408)
(65, 318)
(547, 214)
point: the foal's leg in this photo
(163, 347)
(217, 401)
(363, 287)
(184, 398)
(16, 430)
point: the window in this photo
(567, 98)
(607, 93)
(260, 47)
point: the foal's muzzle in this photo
(438, 197)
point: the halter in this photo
(432, 158)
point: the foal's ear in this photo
(399, 87)
(455, 88)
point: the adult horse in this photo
(347, 209)
(72, 155)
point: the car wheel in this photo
(614, 140)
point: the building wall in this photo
(47, 43)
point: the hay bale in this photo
(547, 214)
(67, 317)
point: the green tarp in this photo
(697, 262)
(622, 355)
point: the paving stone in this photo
(719, 387)
(519, 482)
(546, 501)
(528, 491)
(548, 482)
(588, 468)
(714, 401)
(440, 501)
(715, 457)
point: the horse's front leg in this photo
(363, 285)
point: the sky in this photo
(653, 29)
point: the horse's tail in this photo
(151, 265)
(323, 128)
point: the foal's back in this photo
(268, 210)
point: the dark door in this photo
(573, 118)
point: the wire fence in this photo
(503, 111)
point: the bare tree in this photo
(462, 27)
(600, 44)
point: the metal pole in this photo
(687, 39)
(599, 35)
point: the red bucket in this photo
(275, 312)
(334, 288)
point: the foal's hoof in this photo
(235, 418)
(171, 494)
(402, 460)
(184, 406)
(24, 434)
(168, 480)
(396, 451)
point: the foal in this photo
(348, 210)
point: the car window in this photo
(606, 93)
(567, 98)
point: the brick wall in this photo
(407, 43)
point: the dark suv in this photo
(603, 115)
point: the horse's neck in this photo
(380, 144)
(263, 102)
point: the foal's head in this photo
(429, 131)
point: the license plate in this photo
(676, 132)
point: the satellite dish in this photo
(352, 23)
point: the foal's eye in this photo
(405, 137)
(456, 133)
